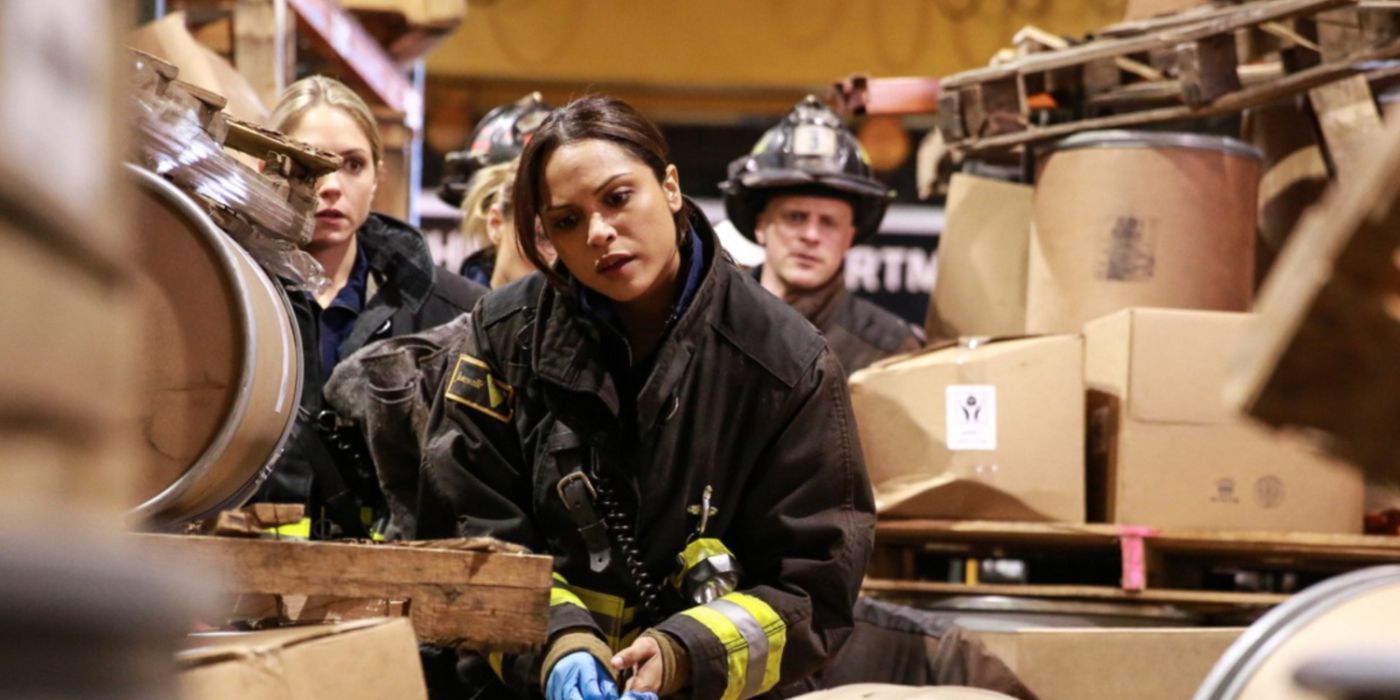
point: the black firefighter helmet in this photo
(808, 152)
(499, 137)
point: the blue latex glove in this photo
(580, 676)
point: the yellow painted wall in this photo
(743, 43)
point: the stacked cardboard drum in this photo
(1125, 219)
(220, 402)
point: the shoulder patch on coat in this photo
(473, 385)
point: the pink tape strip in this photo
(1130, 542)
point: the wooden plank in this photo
(1233, 102)
(950, 116)
(1368, 548)
(1056, 42)
(979, 75)
(1195, 599)
(1348, 120)
(1168, 92)
(1207, 69)
(1342, 32)
(1361, 549)
(264, 46)
(1164, 22)
(976, 531)
(486, 601)
(258, 142)
(1242, 17)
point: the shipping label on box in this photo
(972, 417)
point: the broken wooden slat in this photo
(950, 116)
(1059, 43)
(258, 142)
(1240, 18)
(1348, 120)
(1207, 69)
(994, 107)
(1322, 356)
(1346, 31)
(487, 601)
(1231, 102)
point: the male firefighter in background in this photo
(806, 193)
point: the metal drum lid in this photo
(1157, 139)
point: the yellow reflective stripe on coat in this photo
(753, 635)
(774, 630)
(300, 529)
(559, 594)
(497, 661)
(696, 552)
(609, 612)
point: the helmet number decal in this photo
(814, 140)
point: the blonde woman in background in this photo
(488, 226)
(478, 179)
(383, 284)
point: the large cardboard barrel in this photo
(1350, 614)
(222, 380)
(1125, 218)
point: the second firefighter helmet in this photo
(809, 152)
(499, 137)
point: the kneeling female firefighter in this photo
(679, 439)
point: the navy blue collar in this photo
(692, 270)
(352, 295)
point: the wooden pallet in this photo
(289, 168)
(486, 601)
(1197, 60)
(1152, 566)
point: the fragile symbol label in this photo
(972, 417)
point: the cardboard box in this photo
(981, 288)
(1111, 664)
(369, 659)
(169, 39)
(1167, 450)
(992, 431)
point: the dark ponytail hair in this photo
(589, 117)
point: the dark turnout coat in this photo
(742, 398)
(858, 331)
(406, 293)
